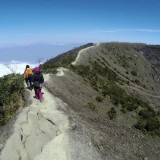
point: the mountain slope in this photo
(102, 102)
(152, 53)
(113, 81)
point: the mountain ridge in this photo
(113, 81)
(110, 97)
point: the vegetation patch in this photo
(99, 98)
(91, 106)
(105, 81)
(11, 96)
(50, 68)
(134, 73)
(63, 60)
(148, 121)
(112, 113)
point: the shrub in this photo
(158, 113)
(99, 98)
(132, 107)
(148, 121)
(140, 124)
(112, 113)
(134, 73)
(123, 110)
(91, 106)
(152, 124)
(11, 95)
(147, 114)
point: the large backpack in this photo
(25, 75)
(29, 71)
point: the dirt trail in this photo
(82, 52)
(141, 91)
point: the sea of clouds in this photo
(14, 66)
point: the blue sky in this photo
(63, 22)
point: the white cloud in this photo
(128, 30)
(17, 67)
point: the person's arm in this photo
(32, 78)
(42, 79)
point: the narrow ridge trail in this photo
(40, 132)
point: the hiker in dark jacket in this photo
(37, 79)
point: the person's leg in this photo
(35, 90)
(40, 94)
(26, 80)
(30, 80)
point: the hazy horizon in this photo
(32, 52)
(16, 66)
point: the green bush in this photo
(152, 124)
(99, 98)
(49, 69)
(132, 107)
(147, 114)
(91, 106)
(112, 113)
(11, 96)
(148, 121)
(140, 124)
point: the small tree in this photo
(40, 61)
(12, 67)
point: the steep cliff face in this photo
(152, 53)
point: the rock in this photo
(73, 126)
(146, 158)
(1, 146)
(89, 144)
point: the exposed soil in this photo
(113, 139)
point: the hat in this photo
(37, 69)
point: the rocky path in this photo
(40, 132)
(43, 131)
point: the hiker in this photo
(37, 80)
(28, 76)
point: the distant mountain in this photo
(115, 89)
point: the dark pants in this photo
(30, 79)
(36, 89)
